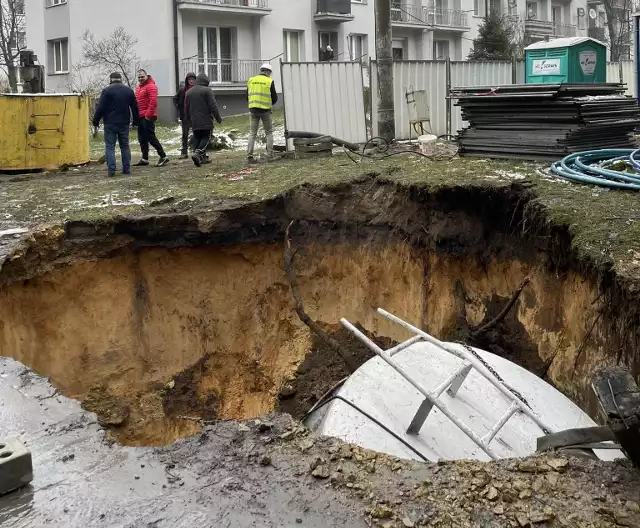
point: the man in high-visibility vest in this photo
(262, 96)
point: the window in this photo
(292, 44)
(51, 3)
(58, 56)
(476, 7)
(440, 49)
(20, 43)
(532, 10)
(215, 45)
(358, 47)
(18, 7)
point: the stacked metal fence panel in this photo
(545, 121)
(325, 97)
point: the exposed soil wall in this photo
(156, 318)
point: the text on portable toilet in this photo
(546, 67)
(588, 61)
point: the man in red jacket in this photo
(147, 97)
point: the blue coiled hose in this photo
(593, 166)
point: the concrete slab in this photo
(16, 469)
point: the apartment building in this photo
(598, 25)
(228, 39)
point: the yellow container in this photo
(43, 131)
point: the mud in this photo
(261, 473)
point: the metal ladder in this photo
(452, 384)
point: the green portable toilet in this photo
(566, 60)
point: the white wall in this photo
(150, 21)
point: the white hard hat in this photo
(266, 66)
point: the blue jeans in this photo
(119, 133)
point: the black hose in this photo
(374, 420)
(295, 134)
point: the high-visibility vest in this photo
(260, 92)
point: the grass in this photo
(170, 135)
(605, 223)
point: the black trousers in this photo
(201, 140)
(147, 136)
(185, 137)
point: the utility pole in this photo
(384, 56)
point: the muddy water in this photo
(211, 332)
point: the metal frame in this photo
(452, 383)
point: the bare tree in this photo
(116, 52)
(618, 14)
(12, 38)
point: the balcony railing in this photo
(534, 27)
(446, 17)
(408, 14)
(250, 4)
(341, 7)
(597, 33)
(427, 16)
(223, 71)
(564, 30)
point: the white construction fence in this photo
(325, 97)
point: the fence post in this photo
(620, 73)
(448, 100)
(514, 70)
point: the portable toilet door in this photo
(566, 60)
(588, 62)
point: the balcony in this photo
(564, 30)
(447, 18)
(538, 28)
(335, 11)
(223, 73)
(597, 33)
(244, 7)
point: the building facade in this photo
(229, 39)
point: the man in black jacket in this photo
(179, 102)
(201, 108)
(117, 107)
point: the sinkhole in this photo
(165, 328)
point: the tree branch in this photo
(304, 317)
(500, 317)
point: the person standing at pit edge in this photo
(147, 96)
(117, 107)
(180, 101)
(201, 109)
(262, 95)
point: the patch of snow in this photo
(511, 175)
(14, 231)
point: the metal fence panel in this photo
(623, 72)
(491, 73)
(432, 76)
(414, 75)
(325, 97)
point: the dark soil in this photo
(323, 368)
(509, 338)
(182, 396)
